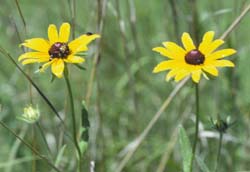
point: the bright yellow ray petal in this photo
(223, 63)
(196, 75)
(74, 59)
(174, 48)
(181, 75)
(165, 65)
(206, 40)
(80, 44)
(165, 52)
(57, 67)
(28, 61)
(221, 54)
(187, 42)
(46, 65)
(171, 74)
(52, 34)
(211, 70)
(64, 32)
(33, 55)
(212, 46)
(38, 44)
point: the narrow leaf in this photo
(186, 150)
(201, 164)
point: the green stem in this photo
(30, 147)
(218, 153)
(196, 123)
(73, 115)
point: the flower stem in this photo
(196, 123)
(73, 116)
(219, 151)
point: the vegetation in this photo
(138, 121)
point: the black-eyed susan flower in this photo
(192, 60)
(57, 50)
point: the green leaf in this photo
(60, 156)
(83, 146)
(80, 67)
(85, 122)
(186, 150)
(201, 164)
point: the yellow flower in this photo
(191, 60)
(56, 50)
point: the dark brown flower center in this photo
(194, 57)
(59, 50)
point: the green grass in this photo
(125, 93)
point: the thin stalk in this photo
(43, 136)
(137, 142)
(219, 152)
(196, 123)
(71, 100)
(34, 146)
(6, 54)
(21, 15)
(101, 8)
(30, 147)
(73, 20)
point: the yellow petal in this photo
(223, 63)
(181, 75)
(211, 70)
(165, 52)
(74, 59)
(57, 67)
(28, 61)
(206, 40)
(46, 65)
(52, 34)
(80, 44)
(33, 55)
(171, 74)
(38, 44)
(212, 46)
(221, 54)
(165, 65)
(187, 42)
(173, 47)
(64, 32)
(196, 75)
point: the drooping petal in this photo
(165, 52)
(52, 34)
(211, 70)
(80, 44)
(173, 47)
(187, 42)
(181, 75)
(38, 44)
(221, 54)
(171, 74)
(57, 67)
(196, 75)
(223, 63)
(46, 65)
(165, 65)
(74, 59)
(64, 32)
(33, 55)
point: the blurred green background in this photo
(125, 93)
